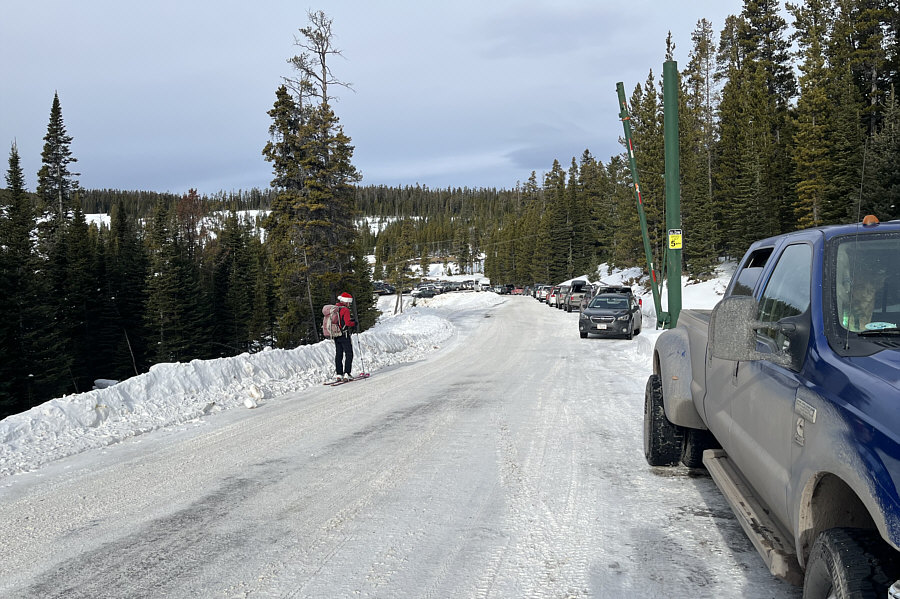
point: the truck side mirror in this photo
(732, 331)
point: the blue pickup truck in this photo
(788, 392)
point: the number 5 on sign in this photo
(674, 239)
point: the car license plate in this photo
(601, 326)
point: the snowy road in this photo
(507, 464)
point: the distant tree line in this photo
(178, 277)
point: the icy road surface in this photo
(506, 464)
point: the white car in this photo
(553, 297)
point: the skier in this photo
(343, 346)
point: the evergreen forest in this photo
(783, 125)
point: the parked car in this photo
(541, 293)
(553, 296)
(573, 298)
(561, 298)
(611, 314)
(426, 290)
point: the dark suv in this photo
(611, 313)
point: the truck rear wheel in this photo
(849, 562)
(696, 441)
(662, 439)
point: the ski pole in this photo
(361, 353)
(358, 338)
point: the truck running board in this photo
(762, 529)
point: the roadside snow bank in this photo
(171, 394)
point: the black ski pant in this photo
(343, 354)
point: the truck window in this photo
(787, 292)
(746, 278)
(861, 296)
(866, 283)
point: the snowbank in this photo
(171, 394)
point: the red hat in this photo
(345, 298)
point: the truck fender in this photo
(672, 362)
(853, 489)
(841, 499)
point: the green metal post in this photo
(673, 190)
(661, 317)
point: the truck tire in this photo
(662, 439)
(696, 441)
(583, 334)
(849, 562)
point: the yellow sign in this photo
(675, 240)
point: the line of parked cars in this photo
(432, 288)
(604, 309)
(381, 288)
(566, 297)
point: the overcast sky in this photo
(173, 94)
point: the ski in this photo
(360, 376)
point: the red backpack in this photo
(331, 321)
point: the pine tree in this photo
(590, 231)
(881, 195)
(126, 291)
(865, 23)
(461, 242)
(753, 168)
(56, 183)
(232, 287)
(57, 191)
(556, 227)
(626, 241)
(310, 228)
(424, 258)
(80, 303)
(579, 212)
(177, 313)
(538, 227)
(812, 152)
(648, 140)
(851, 119)
(34, 365)
(697, 147)
(359, 285)
(603, 215)
(15, 246)
(767, 48)
(260, 330)
(401, 258)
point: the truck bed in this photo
(701, 315)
